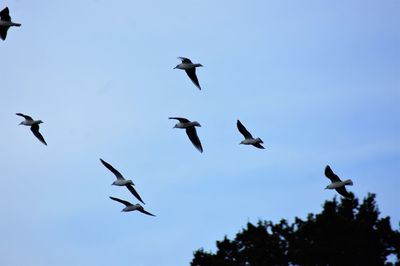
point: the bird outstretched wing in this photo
(3, 32)
(35, 131)
(185, 60)
(243, 130)
(192, 134)
(180, 119)
(145, 212)
(134, 192)
(112, 169)
(343, 191)
(27, 117)
(258, 145)
(126, 203)
(5, 14)
(193, 77)
(331, 175)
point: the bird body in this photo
(187, 124)
(131, 207)
(191, 132)
(6, 23)
(251, 141)
(34, 124)
(337, 184)
(190, 70)
(121, 181)
(248, 138)
(186, 66)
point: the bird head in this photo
(40, 122)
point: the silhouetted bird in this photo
(337, 184)
(130, 207)
(248, 138)
(190, 69)
(190, 130)
(6, 23)
(34, 124)
(121, 181)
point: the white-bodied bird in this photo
(121, 181)
(190, 130)
(131, 207)
(248, 138)
(190, 69)
(34, 124)
(6, 23)
(337, 184)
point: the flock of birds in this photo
(183, 123)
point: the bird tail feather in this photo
(348, 182)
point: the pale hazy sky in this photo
(318, 81)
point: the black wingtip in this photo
(328, 171)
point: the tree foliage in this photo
(345, 233)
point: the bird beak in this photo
(174, 67)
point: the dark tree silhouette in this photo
(344, 233)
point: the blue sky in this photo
(318, 81)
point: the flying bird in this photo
(190, 130)
(121, 181)
(248, 138)
(131, 207)
(34, 124)
(6, 23)
(338, 184)
(190, 70)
